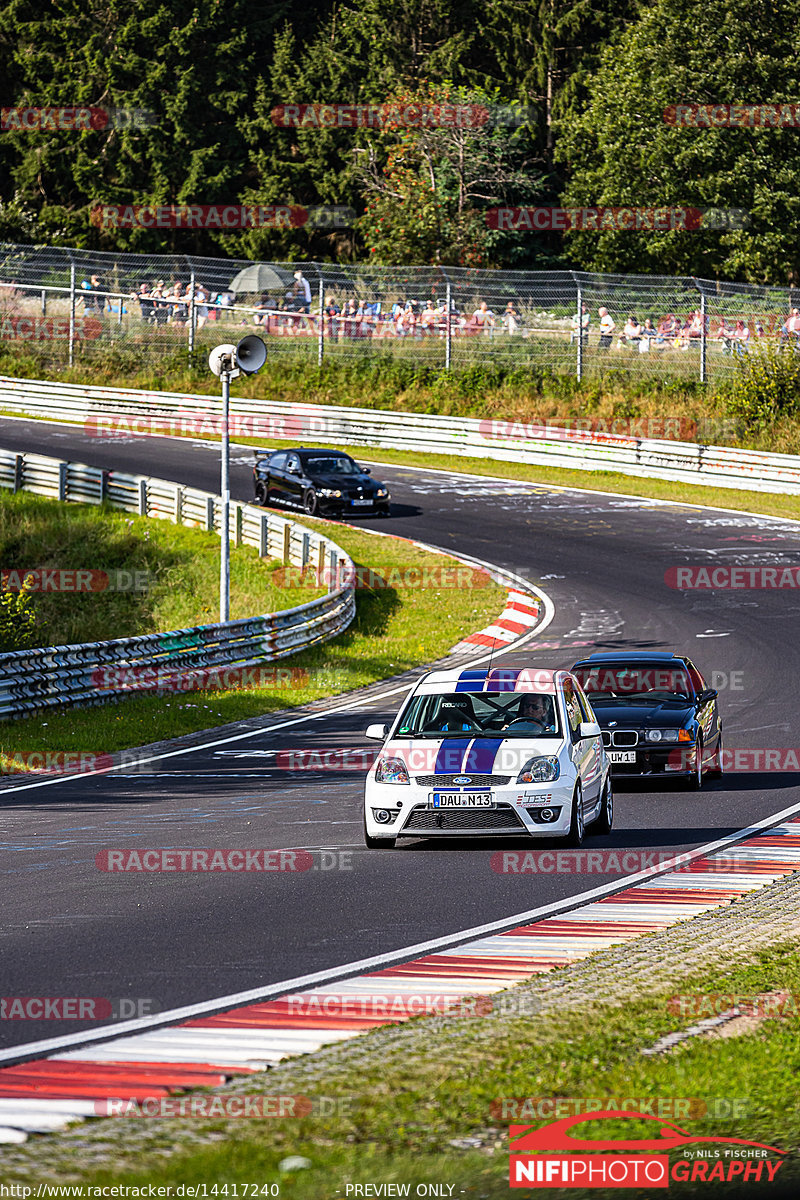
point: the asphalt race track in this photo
(69, 929)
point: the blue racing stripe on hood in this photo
(471, 681)
(482, 755)
(449, 758)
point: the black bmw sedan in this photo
(321, 482)
(658, 717)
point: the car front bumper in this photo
(515, 812)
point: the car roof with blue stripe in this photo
(494, 679)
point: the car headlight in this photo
(542, 769)
(391, 770)
(331, 493)
(382, 493)
(667, 735)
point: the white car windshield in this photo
(480, 715)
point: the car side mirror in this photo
(292, 471)
(366, 470)
(588, 729)
(708, 694)
(376, 733)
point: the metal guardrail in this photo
(94, 672)
(109, 412)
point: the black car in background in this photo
(658, 717)
(321, 482)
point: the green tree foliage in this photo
(190, 62)
(427, 188)
(621, 152)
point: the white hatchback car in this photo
(485, 753)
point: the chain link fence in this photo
(80, 305)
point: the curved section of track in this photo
(176, 938)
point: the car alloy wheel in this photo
(696, 778)
(605, 820)
(262, 492)
(310, 503)
(577, 828)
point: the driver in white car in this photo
(535, 715)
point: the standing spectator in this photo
(180, 308)
(145, 303)
(94, 300)
(201, 298)
(160, 305)
(332, 311)
(583, 321)
(300, 295)
(607, 327)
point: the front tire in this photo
(718, 770)
(605, 820)
(696, 779)
(577, 828)
(379, 843)
(262, 492)
(310, 503)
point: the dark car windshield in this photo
(481, 714)
(608, 683)
(330, 465)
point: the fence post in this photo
(448, 332)
(44, 303)
(703, 338)
(321, 334)
(192, 312)
(579, 310)
(71, 311)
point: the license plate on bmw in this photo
(621, 756)
(361, 502)
(460, 800)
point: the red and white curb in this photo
(48, 1093)
(518, 617)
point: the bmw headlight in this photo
(382, 493)
(330, 493)
(391, 770)
(662, 735)
(542, 769)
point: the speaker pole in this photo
(224, 533)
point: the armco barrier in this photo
(108, 411)
(91, 673)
